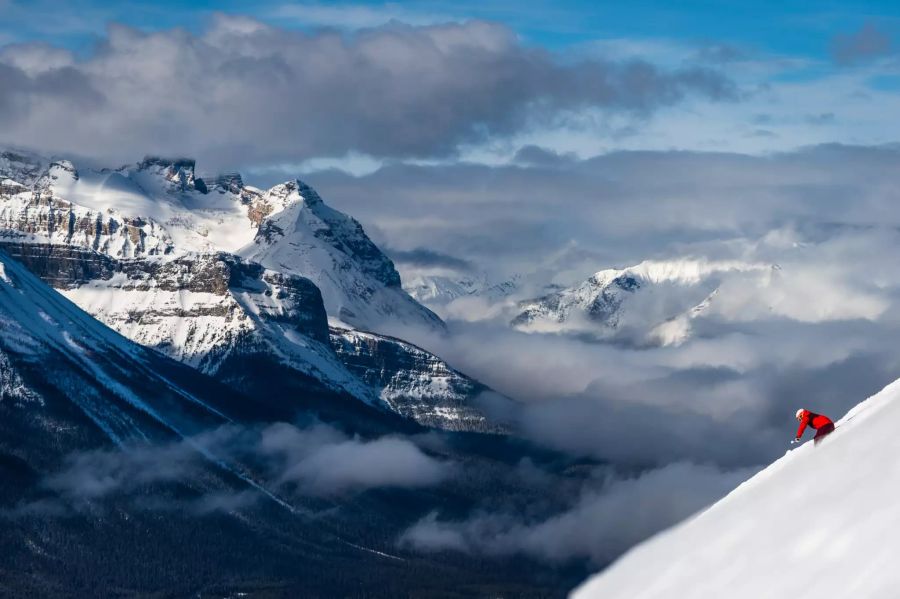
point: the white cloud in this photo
(601, 524)
(35, 59)
(354, 16)
(322, 461)
(243, 92)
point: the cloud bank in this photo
(317, 461)
(603, 522)
(574, 217)
(817, 331)
(243, 92)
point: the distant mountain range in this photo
(652, 303)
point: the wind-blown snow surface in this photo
(820, 522)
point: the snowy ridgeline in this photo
(207, 270)
(651, 303)
(820, 522)
(160, 209)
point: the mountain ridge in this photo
(651, 303)
(201, 270)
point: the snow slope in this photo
(820, 522)
(96, 369)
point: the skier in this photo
(820, 422)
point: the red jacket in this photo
(812, 419)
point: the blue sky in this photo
(796, 73)
(791, 27)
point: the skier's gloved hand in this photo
(796, 440)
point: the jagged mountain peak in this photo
(166, 192)
(299, 233)
(309, 195)
(179, 173)
(21, 166)
(231, 182)
(150, 162)
(63, 167)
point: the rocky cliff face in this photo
(33, 209)
(414, 382)
(150, 251)
(82, 411)
(199, 309)
(62, 266)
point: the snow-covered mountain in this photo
(200, 309)
(438, 290)
(360, 285)
(208, 270)
(475, 297)
(159, 207)
(653, 302)
(819, 522)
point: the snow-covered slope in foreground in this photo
(820, 522)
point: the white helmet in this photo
(799, 413)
